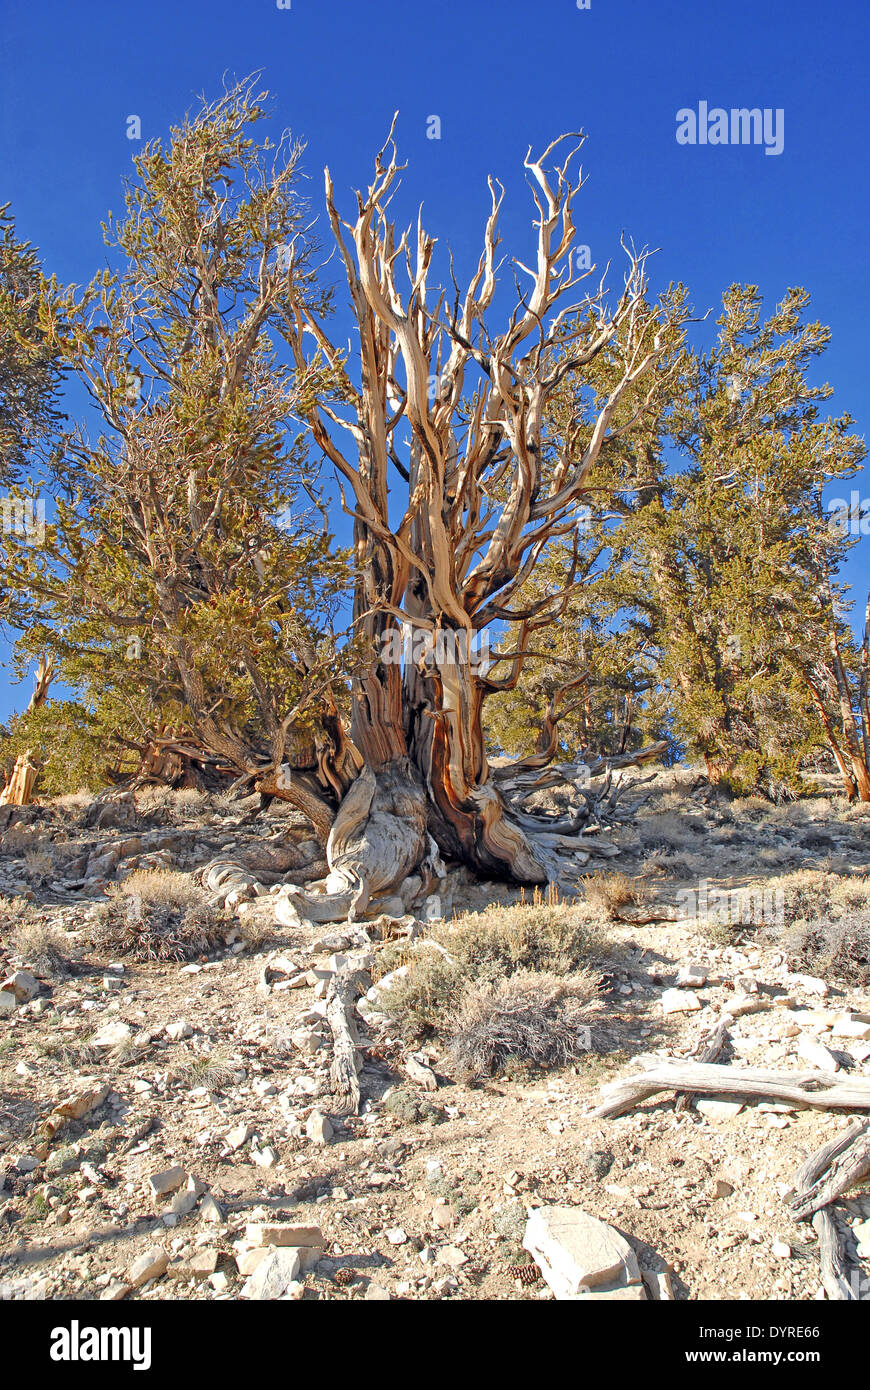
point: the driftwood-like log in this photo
(831, 1170)
(834, 1270)
(708, 1050)
(823, 1176)
(344, 991)
(820, 1090)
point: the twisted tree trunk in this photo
(456, 415)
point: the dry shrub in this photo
(39, 863)
(833, 946)
(157, 914)
(480, 949)
(164, 886)
(42, 947)
(607, 893)
(212, 1071)
(72, 806)
(540, 1020)
(825, 927)
(258, 931)
(668, 830)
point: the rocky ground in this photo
(168, 1128)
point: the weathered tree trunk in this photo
(19, 789)
(457, 413)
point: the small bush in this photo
(157, 915)
(213, 1071)
(536, 1019)
(836, 946)
(480, 949)
(166, 887)
(42, 947)
(607, 893)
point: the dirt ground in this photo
(423, 1194)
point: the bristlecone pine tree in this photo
(188, 583)
(448, 409)
(734, 547)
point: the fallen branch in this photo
(831, 1170)
(821, 1090)
(344, 990)
(834, 1270)
(708, 1050)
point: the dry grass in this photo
(214, 1072)
(607, 893)
(536, 1019)
(484, 949)
(43, 948)
(158, 914)
(826, 924)
(671, 831)
(164, 886)
(39, 864)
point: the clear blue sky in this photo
(500, 75)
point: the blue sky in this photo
(500, 76)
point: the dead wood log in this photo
(708, 1050)
(344, 990)
(834, 1270)
(820, 1090)
(831, 1170)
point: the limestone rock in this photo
(22, 985)
(680, 1001)
(151, 1265)
(282, 1234)
(273, 1275)
(577, 1253)
(114, 1034)
(162, 1184)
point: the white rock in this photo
(811, 984)
(318, 1127)
(273, 1275)
(692, 975)
(112, 1035)
(851, 1028)
(22, 984)
(237, 1137)
(285, 913)
(718, 1110)
(264, 1158)
(816, 1054)
(282, 1233)
(577, 1253)
(151, 1265)
(162, 1184)
(680, 1001)
(181, 1029)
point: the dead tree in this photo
(441, 451)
